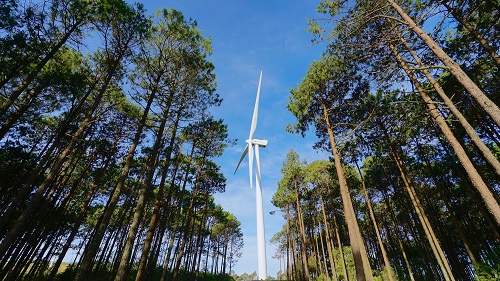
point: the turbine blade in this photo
(255, 110)
(245, 151)
(250, 163)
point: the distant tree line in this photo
(406, 99)
(107, 145)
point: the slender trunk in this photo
(169, 252)
(341, 250)
(479, 37)
(488, 105)
(476, 179)
(323, 264)
(34, 73)
(20, 110)
(37, 197)
(207, 256)
(106, 217)
(72, 235)
(488, 155)
(361, 262)
(183, 242)
(452, 253)
(446, 200)
(431, 237)
(167, 209)
(400, 243)
(375, 225)
(158, 202)
(477, 200)
(201, 242)
(295, 271)
(141, 204)
(224, 254)
(329, 241)
(302, 233)
(44, 162)
(189, 215)
(201, 237)
(289, 267)
(491, 131)
(83, 210)
(181, 200)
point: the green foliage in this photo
(245, 276)
(70, 274)
(322, 277)
(349, 261)
(487, 272)
(383, 275)
(292, 170)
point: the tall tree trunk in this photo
(361, 262)
(43, 162)
(20, 110)
(141, 204)
(323, 253)
(290, 266)
(479, 37)
(186, 227)
(341, 250)
(488, 105)
(303, 247)
(488, 155)
(72, 235)
(37, 197)
(158, 202)
(180, 203)
(476, 179)
(398, 237)
(329, 241)
(113, 200)
(34, 73)
(169, 252)
(375, 225)
(446, 201)
(431, 237)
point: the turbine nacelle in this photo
(261, 143)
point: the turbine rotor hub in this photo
(261, 143)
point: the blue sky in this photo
(247, 37)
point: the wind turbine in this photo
(249, 149)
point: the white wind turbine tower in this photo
(249, 148)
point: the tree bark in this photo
(489, 106)
(375, 225)
(329, 241)
(34, 73)
(488, 155)
(303, 247)
(113, 200)
(431, 237)
(361, 262)
(37, 197)
(479, 37)
(476, 179)
(141, 204)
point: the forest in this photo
(109, 145)
(405, 98)
(109, 153)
